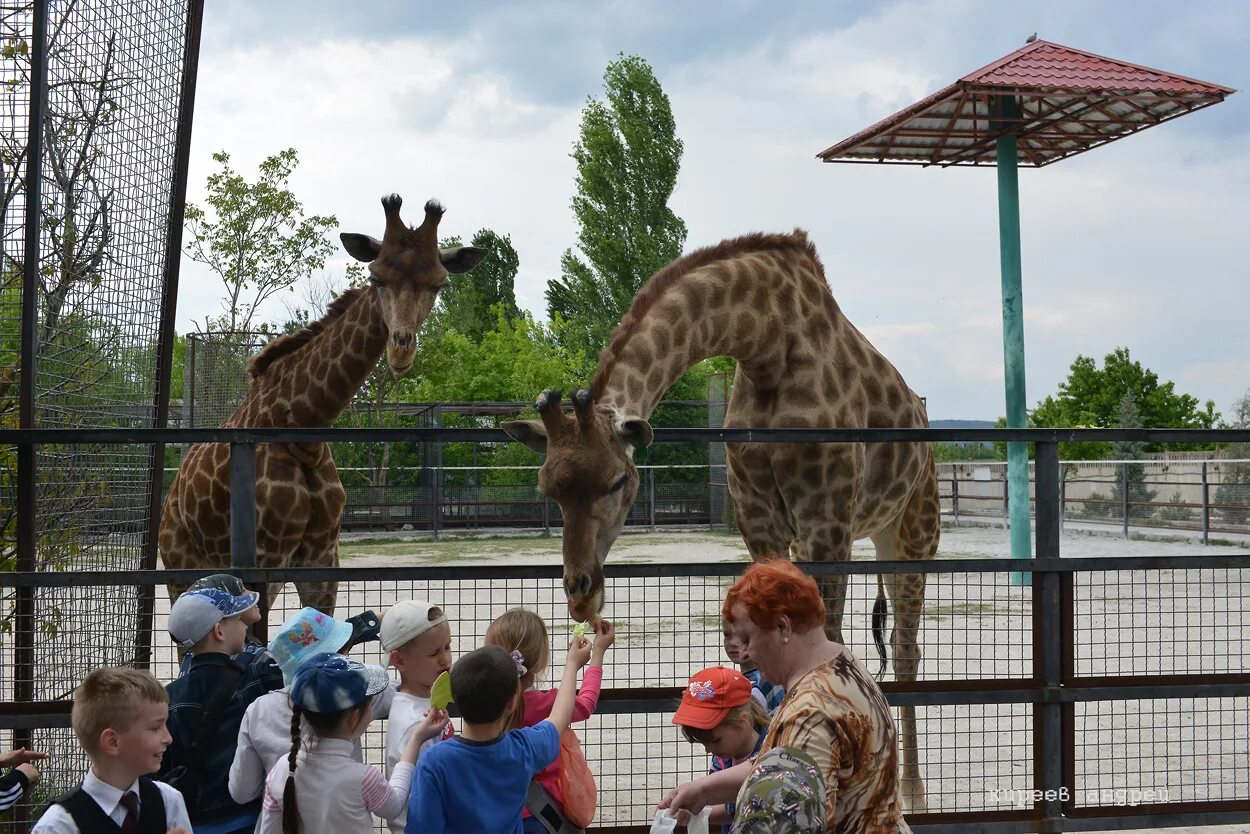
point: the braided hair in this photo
(290, 811)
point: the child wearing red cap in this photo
(717, 711)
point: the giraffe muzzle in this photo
(406, 340)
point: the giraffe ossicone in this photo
(762, 299)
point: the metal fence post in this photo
(1206, 506)
(1124, 495)
(242, 505)
(1049, 639)
(651, 496)
(436, 481)
(1006, 500)
(955, 492)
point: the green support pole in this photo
(1013, 342)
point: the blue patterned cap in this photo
(194, 614)
(333, 683)
(307, 633)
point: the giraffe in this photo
(306, 379)
(762, 299)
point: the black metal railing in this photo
(1060, 686)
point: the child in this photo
(322, 788)
(265, 732)
(478, 780)
(119, 718)
(234, 586)
(718, 711)
(417, 637)
(22, 778)
(771, 695)
(206, 705)
(523, 631)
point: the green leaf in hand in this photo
(579, 630)
(440, 692)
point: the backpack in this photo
(577, 783)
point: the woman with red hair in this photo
(833, 711)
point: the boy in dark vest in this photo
(119, 718)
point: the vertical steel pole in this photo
(955, 493)
(242, 505)
(27, 530)
(651, 496)
(1050, 624)
(1206, 506)
(1124, 496)
(436, 478)
(1013, 332)
(169, 306)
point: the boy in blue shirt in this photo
(477, 781)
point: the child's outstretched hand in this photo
(432, 724)
(605, 636)
(579, 653)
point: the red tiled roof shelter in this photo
(1069, 101)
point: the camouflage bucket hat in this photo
(785, 794)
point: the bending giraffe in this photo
(763, 300)
(307, 379)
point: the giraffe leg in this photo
(914, 536)
(320, 547)
(828, 541)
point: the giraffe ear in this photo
(530, 432)
(635, 431)
(361, 247)
(459, 259)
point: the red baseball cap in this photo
(709, 697)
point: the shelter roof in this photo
(1065, 101)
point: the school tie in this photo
(130, 801)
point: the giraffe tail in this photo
(880, 613)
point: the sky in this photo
(1140, 243)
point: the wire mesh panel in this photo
(1136, 752)
(115, 79)
(1162, 622)
(215, 375)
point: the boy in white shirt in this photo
(119, 718)
(418, 637)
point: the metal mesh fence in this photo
(115, 75)
(215, 378)
(976, 628)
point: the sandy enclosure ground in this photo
(974, 626)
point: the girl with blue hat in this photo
(319, 786)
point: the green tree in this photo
(627, 159)
(1133, 475)
(256, 237)
(467, 303)
(1091, 396)
(1233, 493)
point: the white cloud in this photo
(1139, 244)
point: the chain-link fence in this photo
(215, 378)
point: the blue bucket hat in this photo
(194, 614)
(307, 633)
(333, 683)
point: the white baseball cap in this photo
(408, 619)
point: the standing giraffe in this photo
(306, 379)
(763, 300)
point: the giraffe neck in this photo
(318, 381)
(746, 306)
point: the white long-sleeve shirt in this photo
(334, 792)
(265, 737)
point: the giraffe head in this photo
(406, 271)
(590, 473)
